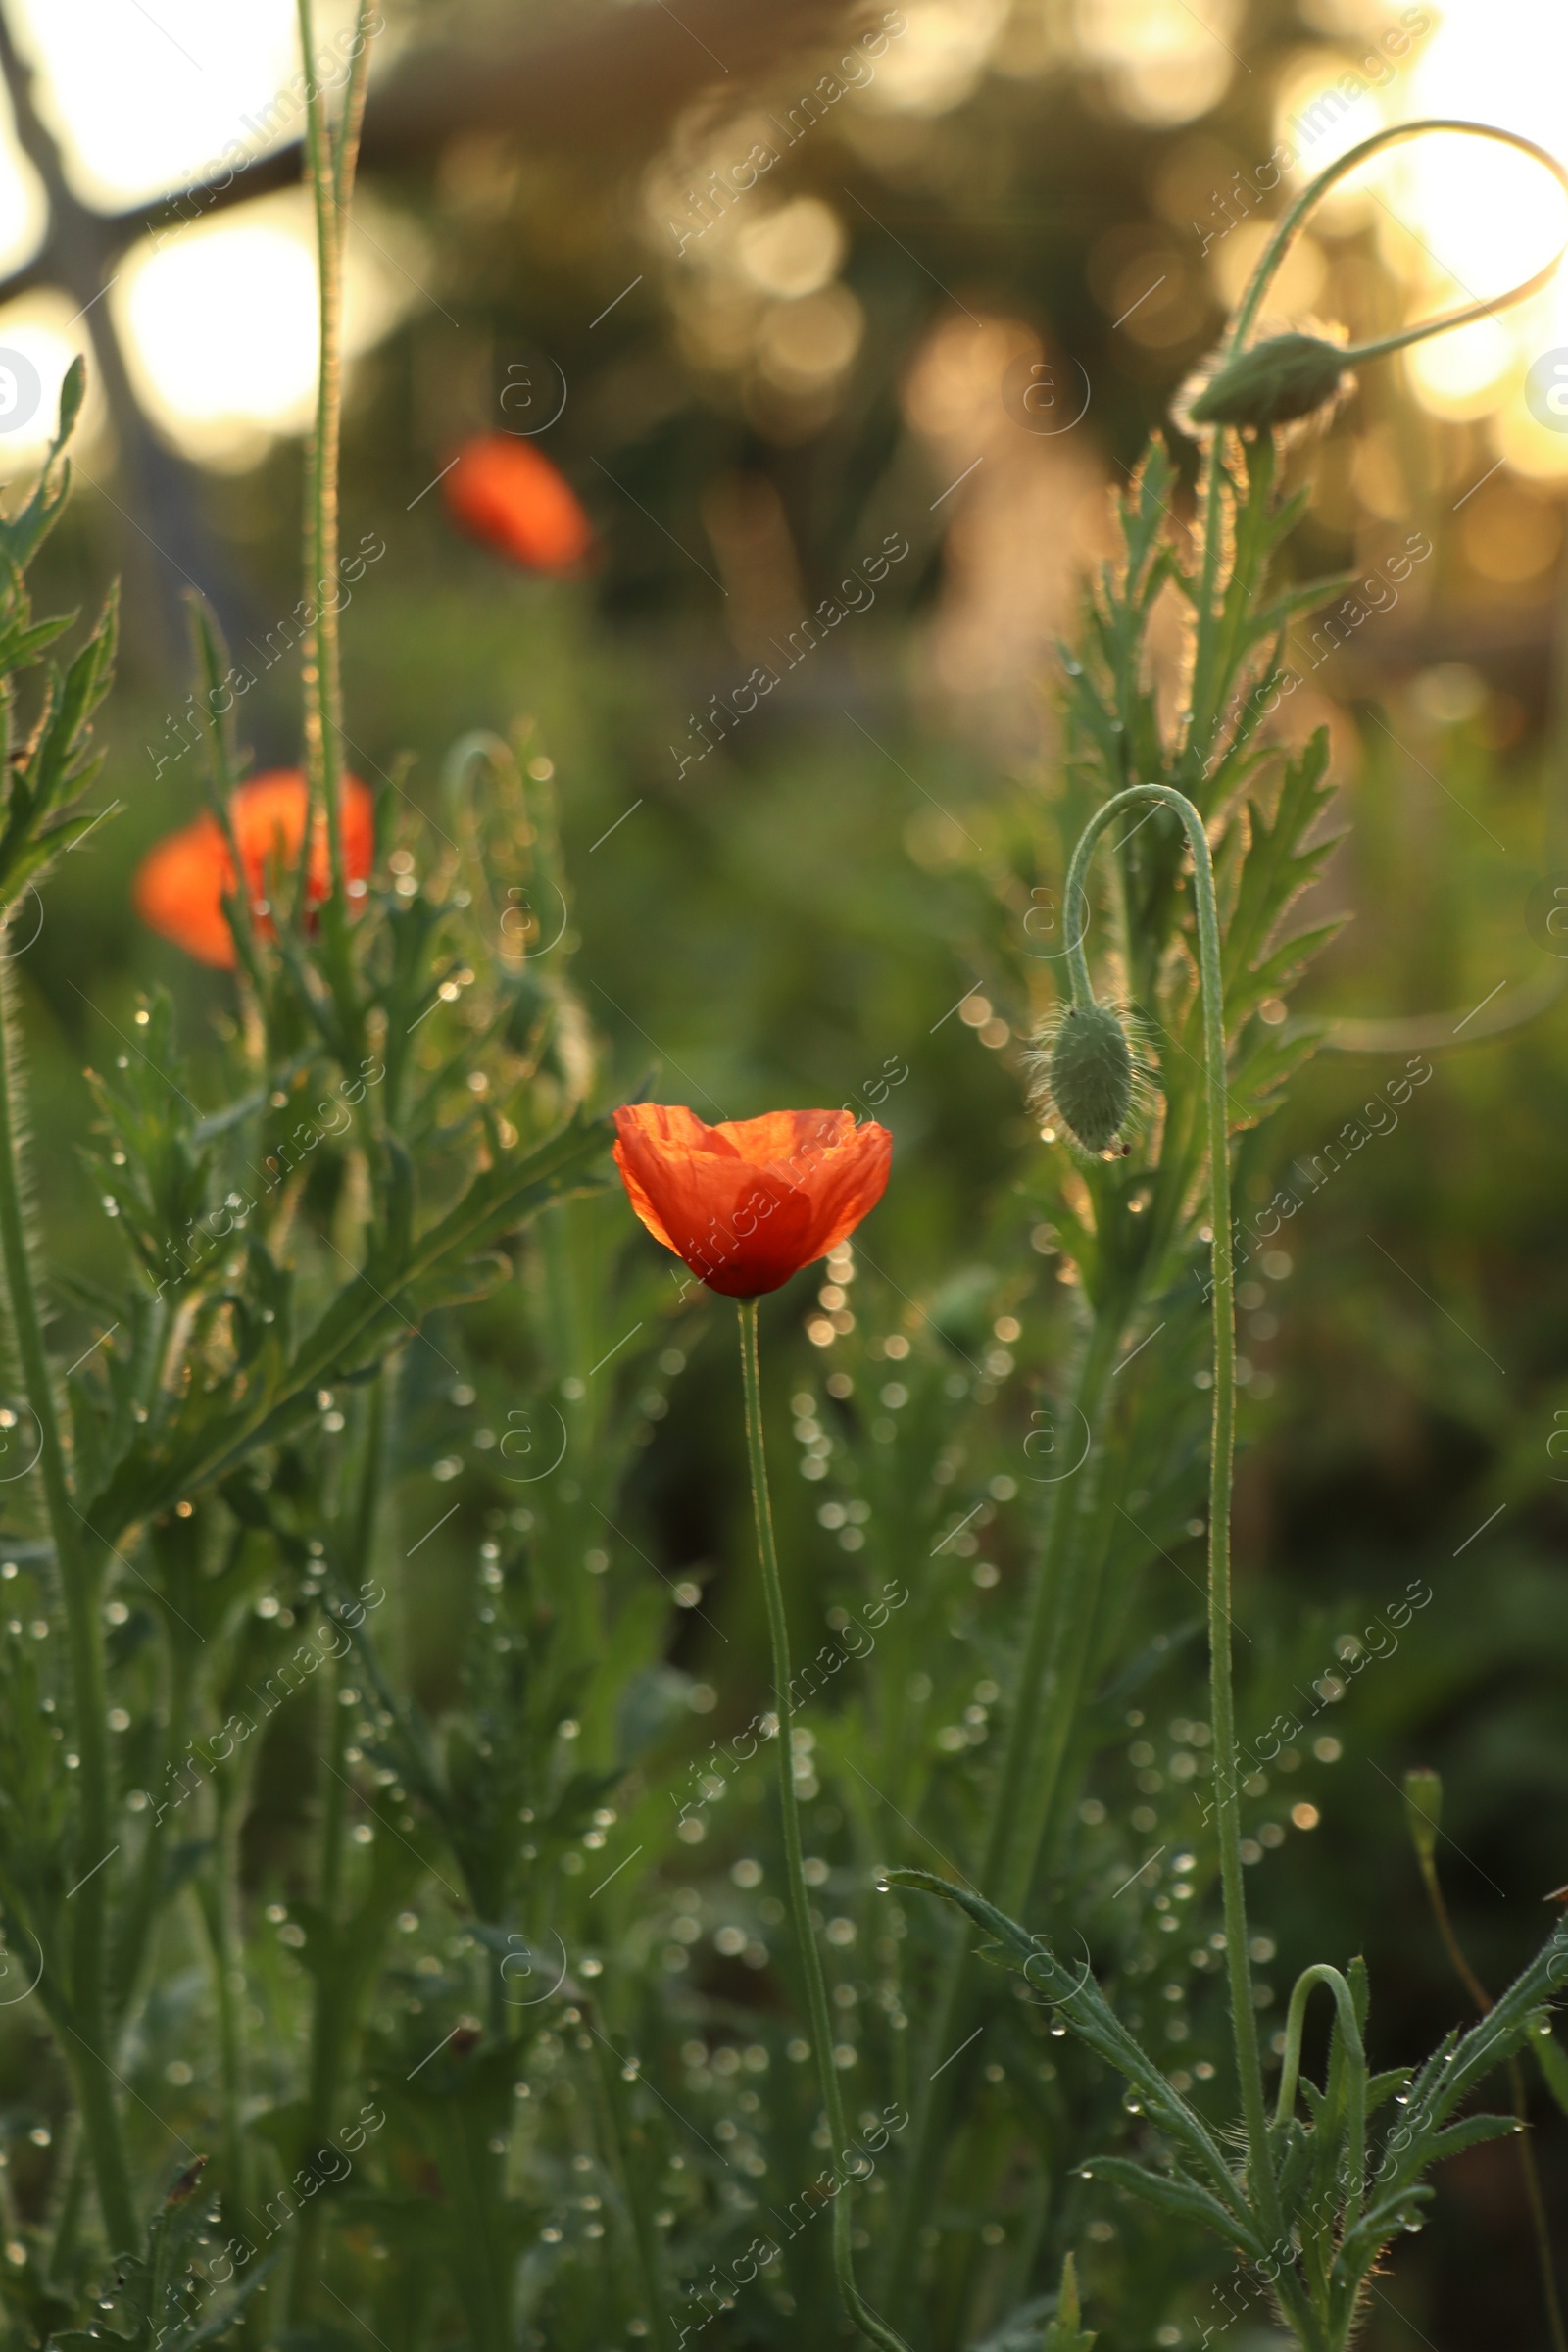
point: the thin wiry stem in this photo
(333, 2024)
(810, 1959)
(1527, 2155)
(1222, 1447)
(1060, 1610)
(330, 161)
(1350, 2038)
(81, 1580)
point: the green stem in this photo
(799, 1901)
(1274, 251)
(1057, 1656)
(1478, 1992)
(1227, 1800)
(630, 2146)
(1060, 1601)
(1355, 2070)
(331, 163)
(328, 2028)
(81, 1583)
(216, 1896)
(1204, 720)
(67, 2218)
(333, 2021)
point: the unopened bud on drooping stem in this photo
(1423, 1810)
(1091, 1074)
(1287, 377)
(1292, 376)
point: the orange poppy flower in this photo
(183, 881)
(749, 1203)
(506, 492)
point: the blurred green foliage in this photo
(776, 930)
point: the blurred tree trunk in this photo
(169, 546)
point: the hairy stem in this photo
(331, 2029)
(1061, 1604)
(81, 1583)
(330, 161)
(1351, 2039)
(799, 1901)
(1531, 2176)
(216, 1896)
(1222, 1445)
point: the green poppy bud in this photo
(1273, 383)
(1092, 1074)
(1423, 1810)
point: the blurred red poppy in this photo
(506, 492)
(181, 883)
(749, 1203)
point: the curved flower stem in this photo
(80, 1576)
(1204, 720)
(1478, 1992)
(1227, 1807)
(800, 1902)
(1290, 2066)
(1397, 136)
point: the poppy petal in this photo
(750, 1202)
(502, 490)
(181, 883)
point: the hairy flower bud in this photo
(1423, 1810)
(1275, 383)
(1092, 1074)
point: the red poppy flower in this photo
(749, 1203)
(181, 882)
(506, 493)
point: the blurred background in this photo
(786, 294)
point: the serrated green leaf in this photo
(1174, 2192)
(1078, 2000)
(1550, 2056)
(1469, 2135)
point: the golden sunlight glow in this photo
(144, 101)
(1167, 63)
(220, 325)
(1458, 220)
(794, 250)
(23, 214)
(934, 63)
(1463, 374)
(41, 330)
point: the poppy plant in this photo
(751, 1202)
(181, 883)
(745, 1205)
(504, 491)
